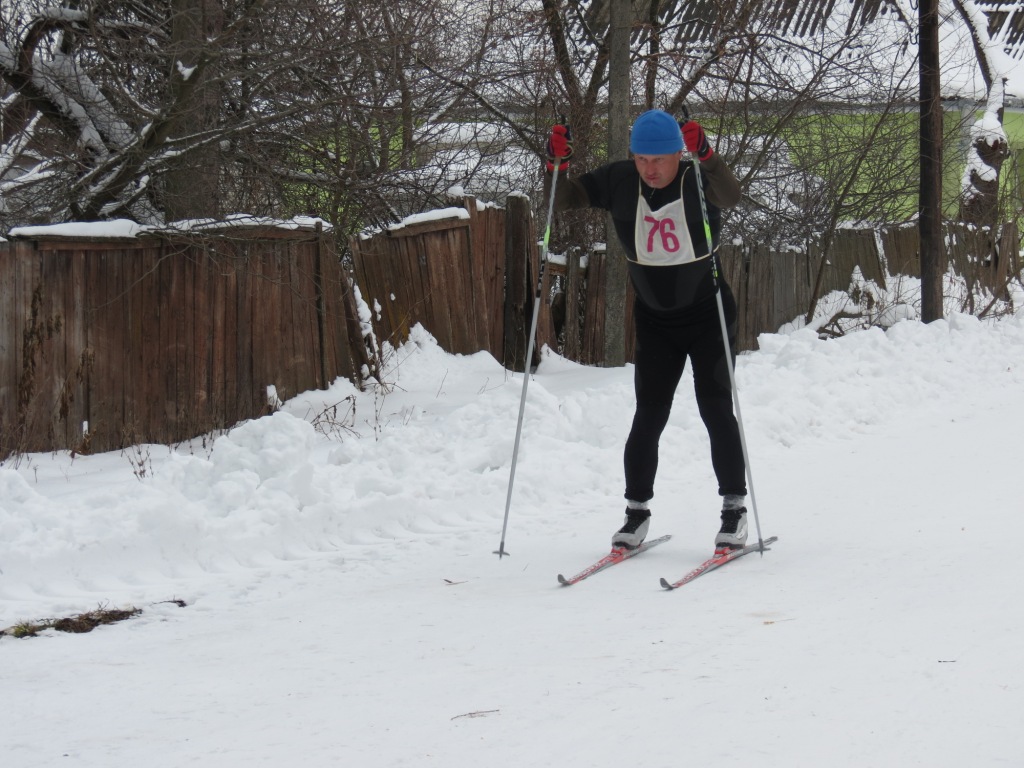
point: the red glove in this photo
(559, 147)
(696, 140)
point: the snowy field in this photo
(343, 605)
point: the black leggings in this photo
(661, 352)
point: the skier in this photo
(655, 207)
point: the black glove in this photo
(559, 147)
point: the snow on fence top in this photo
(123, 229)
(439, 214)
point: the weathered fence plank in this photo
(488, 228)
(520, 241)
(573, 290)
(593, 310)
(901, 250)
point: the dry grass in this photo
(83, 622)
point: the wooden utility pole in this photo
(933, 251)
(621, 18)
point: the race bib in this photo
(661, 237)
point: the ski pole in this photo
(500, 552)
(725, 340)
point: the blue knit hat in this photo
(655, 133)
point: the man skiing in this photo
(655, 207)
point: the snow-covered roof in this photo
(1006, 24)
(696, 23)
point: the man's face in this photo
(657, 171)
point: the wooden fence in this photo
(105, 343)
(447, 272)
(448, 275)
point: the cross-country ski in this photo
(616, 556)
(717, 560)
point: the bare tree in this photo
(196, 108)
(774, 84)
(170, 109)
(773, 88)
(989, 146)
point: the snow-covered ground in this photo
(343, 605)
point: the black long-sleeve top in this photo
(670, 292)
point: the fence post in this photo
(573, 287)
(520, 243)
(321, 311)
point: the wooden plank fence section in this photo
(592, 335)
(771, 287)
(518, 257)
(571, 302)
(450, 275)
(160, 339)
(487, 229)
(901, 250)
(106, 343)
(978, 255)
(1009, 254)
(850, 249)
